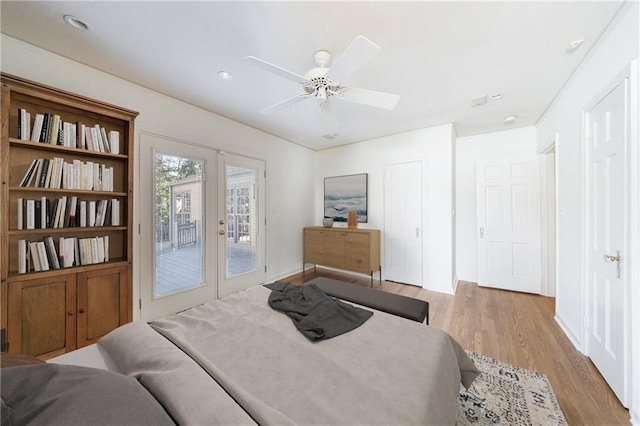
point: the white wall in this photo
(434, 148)
(290, 168)
(612, 54)
(490, 146)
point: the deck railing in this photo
(187, 234)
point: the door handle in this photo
(482, 232)
(221, 232)
(417, 232)
(616, 258)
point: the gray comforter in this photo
(249, 364)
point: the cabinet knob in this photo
(70, 313)
(81, 311)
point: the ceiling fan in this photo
(324, 83)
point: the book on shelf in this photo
(66, 252)
(19, 214)
(54, 130)
(43, 173)
(37, 211)
(35, 258)
(37, 127)
(105, 140)
(31, 214)
(83, 214)
(42, 256)
(46, 213)
(44, 132)
(99, 249)
(114, 141)
(30, 170)
(22, 256)
(115, 212)
(91, 216)
(52, 255)
(24, 124)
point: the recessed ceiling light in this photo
(510, 119)
(496, 96)
(225, 75)
(76, 23)
(573, 45)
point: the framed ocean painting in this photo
(343, 194)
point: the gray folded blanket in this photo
(315, 314)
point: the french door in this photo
(177, 228)
(241, 223)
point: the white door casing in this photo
(403, 222)
(508, 224)
(241, 267)
(606, 138)
(152, 306)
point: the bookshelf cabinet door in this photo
(102, 303)
(42, 316)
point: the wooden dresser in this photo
(356, 250)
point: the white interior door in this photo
(176, 227)
(606, 134)
(508, 220)
(241, 223)
(403, 222)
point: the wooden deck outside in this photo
(181, 268)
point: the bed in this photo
(237, 361)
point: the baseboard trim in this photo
(571, 336)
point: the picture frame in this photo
(343, 194)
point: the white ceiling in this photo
(436, 55)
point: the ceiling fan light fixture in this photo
(76, 23)
(322, 58)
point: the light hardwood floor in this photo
(516, 328)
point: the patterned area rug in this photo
(504, 394)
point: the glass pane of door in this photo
(242, 220)
(179, 219)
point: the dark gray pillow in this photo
(54, 394)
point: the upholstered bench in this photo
(406, 307)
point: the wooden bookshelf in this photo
(47, 313)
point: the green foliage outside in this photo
(170, 169)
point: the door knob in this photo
(221, 222)
(221, 232)
(616, 258)
(608, 258)
(482, 232)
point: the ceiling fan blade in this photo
(286, 104)
(289, 75)
(360, 51)
(369, 97)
